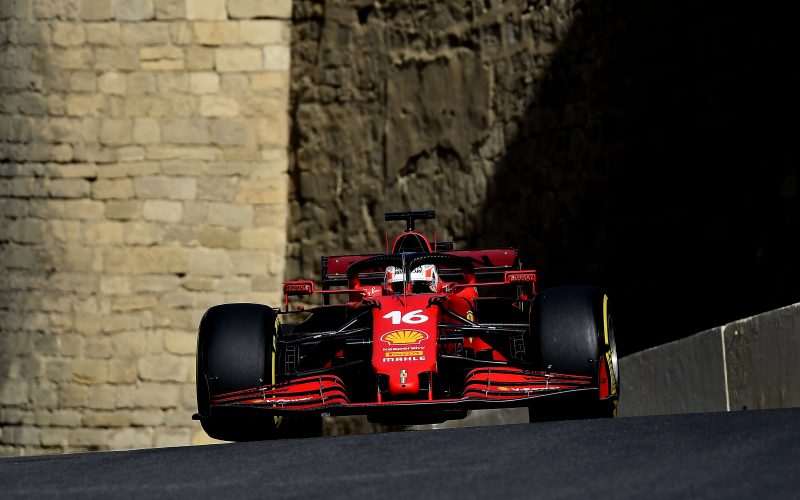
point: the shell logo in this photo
(403, 337)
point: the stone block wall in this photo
(143, 178)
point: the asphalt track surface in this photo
(745, 454)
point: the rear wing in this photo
(490, 266)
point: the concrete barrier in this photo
(685, 376)
(763, 360)
(748, 364)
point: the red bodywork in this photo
(426, 353)
(404, 351)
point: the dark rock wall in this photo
(648, 148)
(394, 107)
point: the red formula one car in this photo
(420, 334)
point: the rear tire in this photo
(235, 351)
(571, 332)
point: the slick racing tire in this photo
(236, 351)
(572, 332)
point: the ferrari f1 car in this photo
(419, 334)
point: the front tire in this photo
(236, 351)
(571, 332)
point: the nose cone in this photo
(404, 343)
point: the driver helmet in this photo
(424, 279)
(394, 279)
